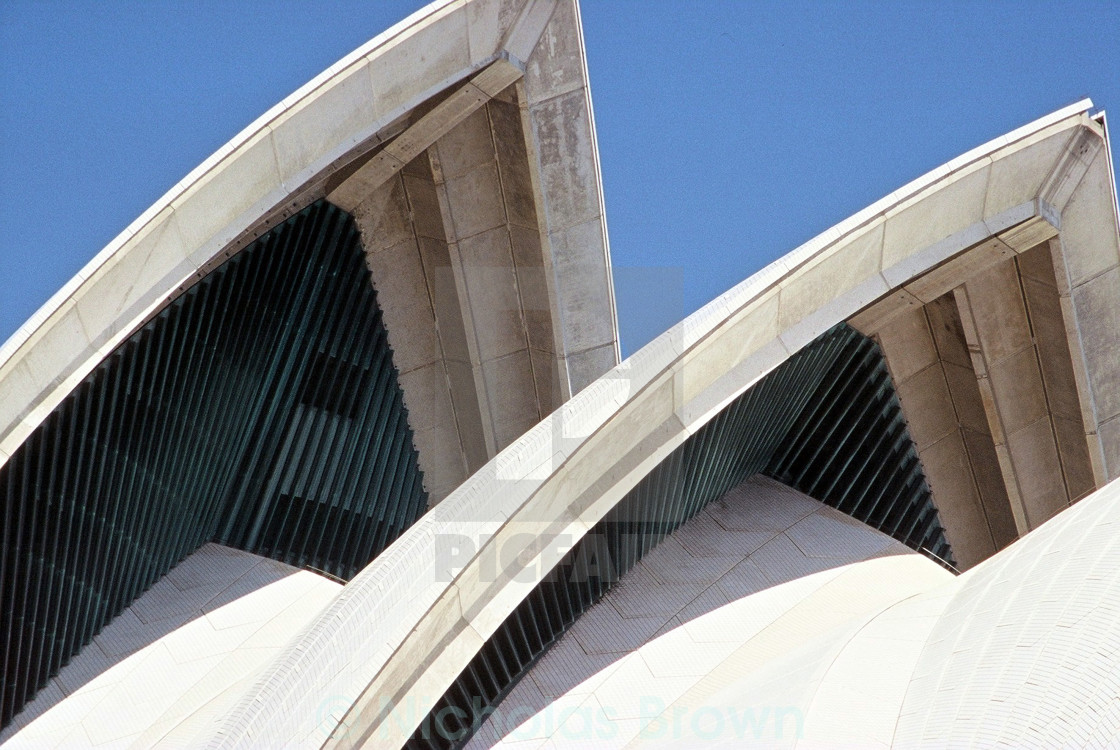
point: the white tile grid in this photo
(704, 537)
(777, 680)
(675, 654)
(524, 698)
(1034, 641)
(667, 600)
(744, 579)
(139, 668)
(601, 630)
(856, 700)
(670, 562)
(777, 269)
(564, 669)
(627, 690)
(595, 727)
(655, 634)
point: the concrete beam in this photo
(396, 153)
(455, 253)
(1026, 383)
(490, 220)
(1087, 268)
(1036, 223)
(929, 363)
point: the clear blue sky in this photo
(729, 132)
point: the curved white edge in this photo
(599, 181)
(404, 628)
(13, 343)
(1022, 640)
(1026, 640)
(254, 173)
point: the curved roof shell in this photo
(1041, 197)
(404, 627)
(349, 130)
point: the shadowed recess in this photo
(826, 422)
(259, 410)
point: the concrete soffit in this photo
(999, 368)
(494, 280)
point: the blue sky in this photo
(729, 132)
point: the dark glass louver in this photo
(827, 421)
(260, 410)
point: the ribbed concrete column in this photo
(488, 214)
(925, 351)
(1027, 386)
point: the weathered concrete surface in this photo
(930, 365)
(987, 384)
(490, 260)
(344, 135)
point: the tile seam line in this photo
(967, 589)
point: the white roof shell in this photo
(404, 627)
(285, 159)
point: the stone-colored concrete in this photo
(1017, 383)
(996, 301)
(405, 627)
(984, 463)
(910, 342)
(1096, 303)
(850, 265)
(1077, 466)
(1020, 352)
(358, 125)
(992, 360)
(1110, 441)
(1089, 253)
(927, 394)
(1048, 328)
(408, 259)
(958, 205)
(948, 422)
(1016, 178)
(564, 170)
(494, 252)
(578, 280)
(1034, 454)
(961, 510)
(945, 277)
(456, 256)
(1085, 262)
(1069, 170)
